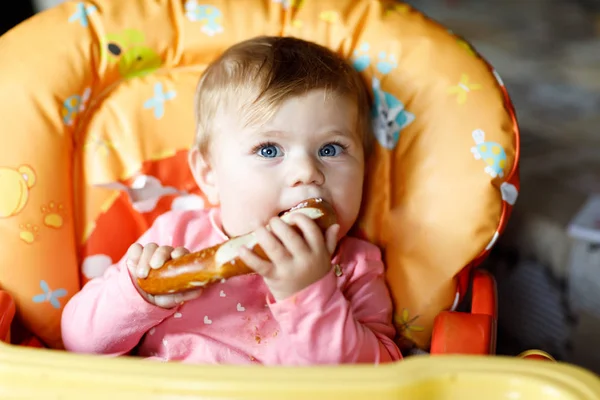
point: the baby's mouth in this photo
(299, 204)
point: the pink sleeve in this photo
(108, 316)
(325, 325)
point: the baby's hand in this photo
(298, 259)
(139, 261)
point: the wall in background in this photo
(13, 12)
(41, 5)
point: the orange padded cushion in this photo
(97, 117)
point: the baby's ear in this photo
(204, 174)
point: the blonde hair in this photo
(258, 74)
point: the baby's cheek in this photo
(347, 207)
(245, 214)
(253, 195)
(234, 220)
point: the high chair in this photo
(96, 124)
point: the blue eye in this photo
(268, 151)
(331, 150)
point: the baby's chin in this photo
(344, 230)
(234, 226)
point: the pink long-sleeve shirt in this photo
(342, 318)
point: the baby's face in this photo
(310, 148)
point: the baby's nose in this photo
(306, 171)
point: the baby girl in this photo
(279, 120)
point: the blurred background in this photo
(547, 264)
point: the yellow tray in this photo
(27, 373)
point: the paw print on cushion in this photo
(389, 117)
(387, 63)
(54, 215)
(210, 17)
(29, 233)
(50, 296)
(360, 58)
(491, 153)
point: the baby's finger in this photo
(254, 262)
(190, 295)
(173, 300)
(272, 247)
(164, 300)
(143, 266)
(178, 252)
(331, 237)
(160, 256)
(133, 256)
(310, 230)
(291, 239)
